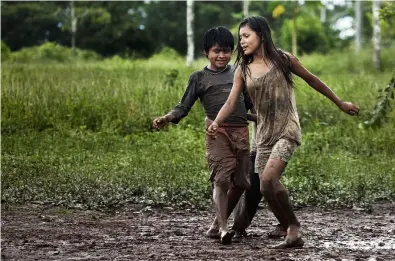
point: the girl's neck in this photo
(259, 57)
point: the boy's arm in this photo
(312, 80)
(182, 108)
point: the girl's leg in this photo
(277, 197)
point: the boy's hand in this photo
(160, 122)
(212, 130)
(349, 108)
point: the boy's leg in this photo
(222, 164)
(248, 204)
(233, 172)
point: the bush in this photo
(51, 52)
(5, 51)
(167, 53)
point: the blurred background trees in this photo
(142, 28)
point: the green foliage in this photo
(387, 12)
(310, 33)
(167, 53)
(81, 134)
(5, 51)
(102, 170)
(50, 52)
(383, 107)
(141, 28)
(387, 23)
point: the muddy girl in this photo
(266, 72)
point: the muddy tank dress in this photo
(278, 129)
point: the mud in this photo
(33, 232)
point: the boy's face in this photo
(219, 57)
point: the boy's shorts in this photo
(283, 150)
(228, 156)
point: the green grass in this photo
(80, 134)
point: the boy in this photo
(228, 153)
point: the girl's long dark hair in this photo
(276, 56)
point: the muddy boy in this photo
(228, 153)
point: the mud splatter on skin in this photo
(34, 233)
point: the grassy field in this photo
(80, 135)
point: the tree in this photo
(191, 47)
(376, 33)
(358, 25)
(291, 13)
(245, 7)
(30, 23)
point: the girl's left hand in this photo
(349, 108)
(211, 131)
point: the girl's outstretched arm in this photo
(229, 106)
(312, 80)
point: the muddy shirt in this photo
(213, 88)
(274, 102)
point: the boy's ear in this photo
(205, 53)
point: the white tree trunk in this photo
(191, 47)
(73, 25)
(358, 25)
(323, 14)
(294, 34)
(246, 4)
(376, 33)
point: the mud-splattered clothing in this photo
(228, 155)
(213, 88)
(278, 129)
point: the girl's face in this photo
(249, 40)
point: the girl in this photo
(266, 72)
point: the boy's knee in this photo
(221, 187)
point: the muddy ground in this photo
(35, 232)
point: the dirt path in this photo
(35, 233)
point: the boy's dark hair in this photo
(218, 35)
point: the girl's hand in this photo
(160, 122)
(349, 108)
(212, 130)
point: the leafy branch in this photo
(383, 105)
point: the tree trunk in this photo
(358, 25)
(376, 34)
(323, 14)
(73, 26)
(190, 18)
(294, 35)
(246, 4)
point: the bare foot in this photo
(226, 237)
(213, 233)
(278, 232)
(292, 240)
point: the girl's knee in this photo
(267, 188)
